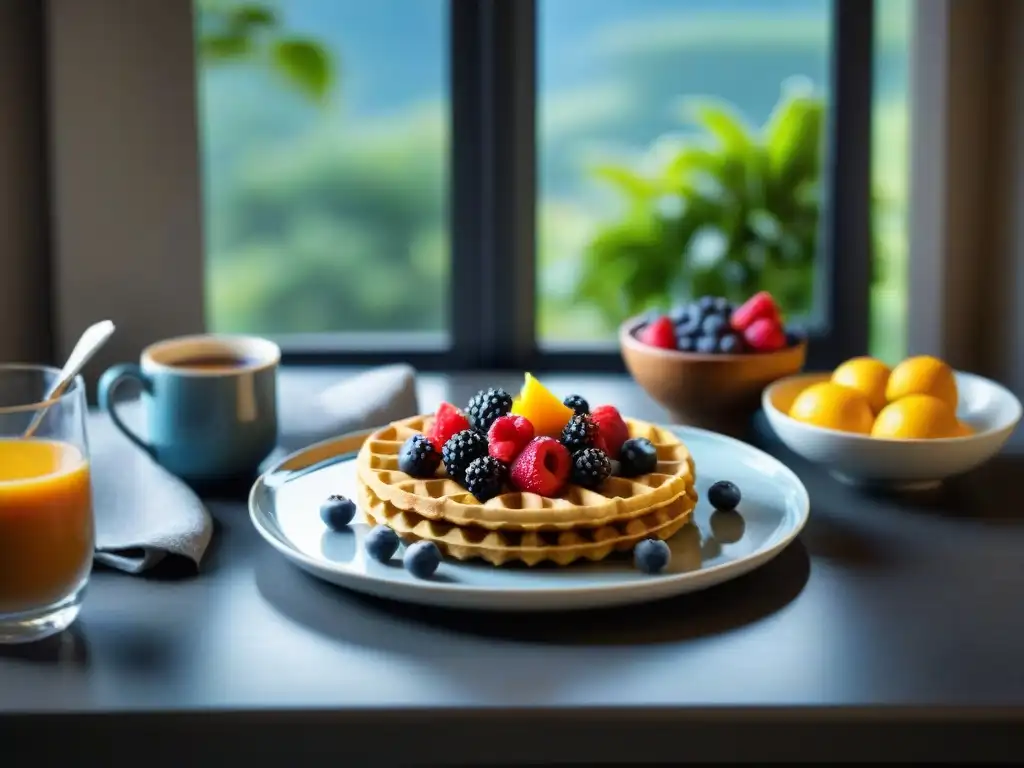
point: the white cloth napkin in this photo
(145, 514)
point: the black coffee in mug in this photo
(212, 362)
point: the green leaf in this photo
(793, 139)
(634, 186)
(723, 122)
(252, 15)
(306, 64)
(225, 47)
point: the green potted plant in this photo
(726, 210)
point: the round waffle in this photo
(442, 499)
(500, 547)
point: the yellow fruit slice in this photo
(916, 417)
(963, 430)
(546, 412)
(833, 406)
(866, 375)
(922, 375)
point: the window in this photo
(890, 170)
(595, 158)
(325, 131)
(654, 117)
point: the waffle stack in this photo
(525, 527)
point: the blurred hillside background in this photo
(326, 190)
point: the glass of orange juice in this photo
(46, 517)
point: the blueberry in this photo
(795, 336)
(651, 555)
(730, 344)
(724, 496)
(337, 512)
(685, 344)
(722, 306)
(714, 325)
(707, 345)
(422, 558)
(679, 314)
(418, 458)
(381, 543)
(706, 303)
(638, 456)
(688, 327)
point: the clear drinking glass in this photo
(46, 516)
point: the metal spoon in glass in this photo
(95, 336)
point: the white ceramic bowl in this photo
(990, 409)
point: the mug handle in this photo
(111, 379)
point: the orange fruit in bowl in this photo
(963, 429)
(923, 375)
(833, 406)
(867, 376)
(546, 412)
(916, 417)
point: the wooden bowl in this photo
(716, 392)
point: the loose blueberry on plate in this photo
(421, 559)
(651, 555)
(381, 543)
(418, 457)
(724, 496)
(337, 512)
(637, 457)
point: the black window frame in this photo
(493, 200)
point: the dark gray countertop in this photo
(885, 616)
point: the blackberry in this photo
(486, 406)
(579, 433)
(460, 450)
(590, 467)
(579, 406)
(418, 457)
(485, 477)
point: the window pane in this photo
(325, 153)
(680, 146)
(890, 176)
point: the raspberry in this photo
(765, 335)
(660, 333)
(542, 467)
(760, 305)
(447, 421)
(507, 436)
(612, 429)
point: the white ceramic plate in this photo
(284, 506)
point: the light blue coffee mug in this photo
(210, 403)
